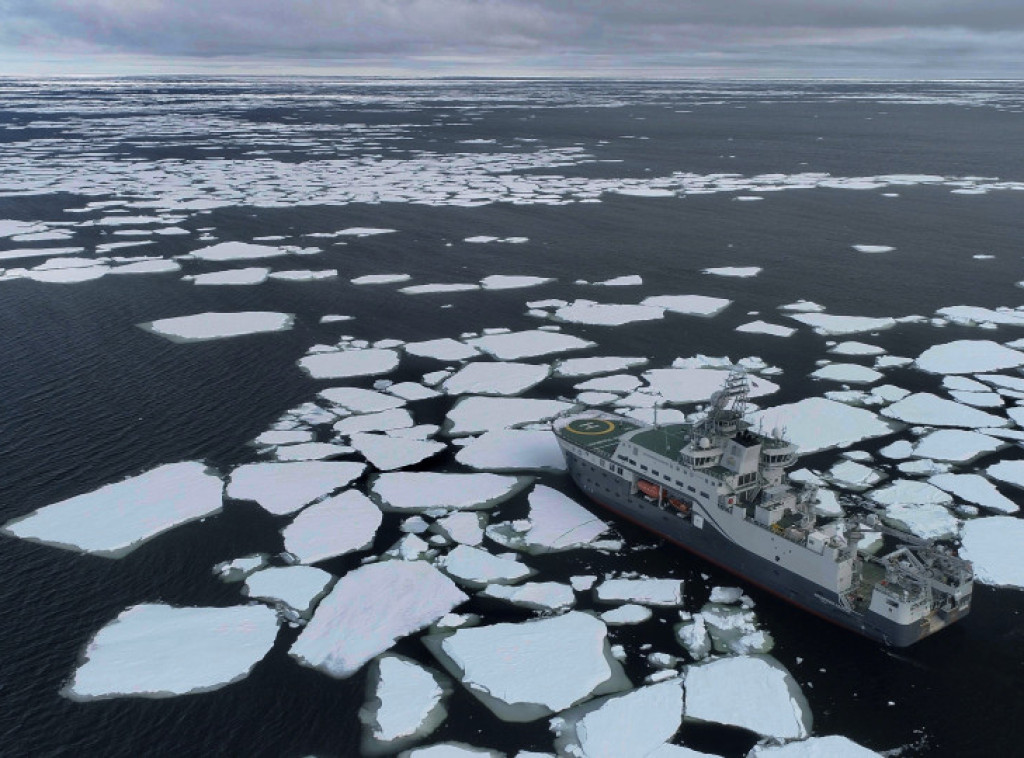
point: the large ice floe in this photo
(850, 373)
(495, 378)
(631, 725)
(829, 324)
(405, 703)
(752, 692)
(282, 488)
(535, 596)
(346, 363)
(212, 326)
(532, 669)
(477, 568)
(235, 251)
(956, 445)
(117, 518)
(688, 305)
(555, 522)
(369, 609)
(817, 423)
(592, 366)
(338, 525)
(606, 314)
(976, 489)
(968, 357)
(993, 546)
(512, 450)
(422, 490)
(833, 746)
(443, 349)
(231, 277)
(932, 410)
(155, 650)
(387, 453)
(512, 346)
(474, 414)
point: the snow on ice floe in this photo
(803, 306)
(628, 280)
(405, 702)
(117, 518)
(474, 414)
(503, 282)
(422, 490)
(532, 669)
(305, 275)
(512, 450)
(381, 279)
(512, 346)
(476, 568)
(970, 315)
(928, 409)
(623, 615)
(534, 596)
(968, 357)
(696, 385)
(453, 750)
(211, 326)
(154, 650)
(369, 609)
(763, 327)
(388, 453)
(742, 272)
(852, 347)
(992, 545)
(751, 692)
(555, 522)
(613, 383)
(873, 248)
(384, 421)
(631, 725)
(926, 520)
(975, 489)
(444, 349)
(956, 445)
(359, 400)
(689, 305)
(155, 266)
(348, 363)
(823, 323)
(439, 287)
(234, 251)
(832, 746)
(233, 276)
(298, 588)
(282, 488)
(848, 373)
(606, 314)
(462, 527)
(815, 424)
(644, 591)
(576, 367)
(495, 378)
(342, 524)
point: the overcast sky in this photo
(686, 38)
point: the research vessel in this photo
(718, 488)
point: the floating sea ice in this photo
(751, 692)
(405, 702)
(495, 378)
(927, 409)
(117, 518)
(282, 488)
(763, 327)
(476, 568)
(60, 275)
(212, 326)
(591, 366)
(742, 272)
(296, 587)
(427, 289)
(851, 347)
(240, 568)
(688, 305)
(956, 445)
(451, 750)
(422, 490)
(158, 651)
(555, 522)
(837, 325)
(535, 596)
(512, 346)
(338, 525)
(444, 349)
(388, 453)
(381, 279)
(976, 489)
(734, 630)
(1011, 472)
(463, 527)
(613, 383)
(606, 314)
(992, 545)
(815, 424)
(969, 315)
(630, 613)
(473, 415)
(814, 747)
(234, 276)
(979, 399)
(904, 491)
(968, 357)
(147, 267)
(499, 282)
(927, 520)
(803, 306)
(696, 385)
(305, 275)
(853, 476)
(397, 418)
(362, 231)
(346, 363)
(412, 391)
(848, 373)
(873, 248)
(632, 725)
(368, 609)
(660, 592)
(529, 670)
(629, 280)
(233, 251)
(511, 450)
(358, 400)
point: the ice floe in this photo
(117, 518)
(529, 670)
(688, 305)
(475, 567)
(536, 596)
(463, 527)
(444, 349)
(993, 545)
(234, 251)
(359, 400)
(234, 276)
(606, 314)
(628, 280)
(155, 650)
(815, 424)
(338, 525)
(282, 488)
(956, 445)
(511, 450)
(298, 588)
(852, 347)
(976, 489)
(849, 373)
(388, 453)
(474, 414)
(828, 324)
(873, 248)
(643, 591)
(381, 279)
(396, 418)
(742, 272)
(763, 327)
(495, 378)
(968, 357)
(1011, 472)
(405, 703)
(503, 282)
(147, 267)
(369, 609)
(924, 519)
(304, 275)
(832, 746)
(211, 326)
(512, 346)
(422, 490)
(751, 692)
(439, 287)
(555, 522)
(932, 410)
(348, 363)
(574, 367)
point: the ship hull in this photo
(613, 493)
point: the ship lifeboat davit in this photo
(650, 489)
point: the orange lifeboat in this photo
(679, 505)
(649, 489)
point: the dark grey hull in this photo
(613, 493)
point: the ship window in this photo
(692, 489)
(704, 494)
(679, 483)
(621, 457)
(620, 470)
(655, 472)
(643, 467)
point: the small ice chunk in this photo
(555, 522)
(993, 545)
(628, 280)
(346, 363)
(495, 378)
(451, 750)
(873, 248)
(305, 275)
(630, 613)
(405, 702)
(211, 326)
(438, 287)
(154, 651)
(511, 450)
(475, 567)
(338, 525)
(412, 391)
(387, 453)
(659, 592)
(849, 373)
(898, 450)
(296, 587)
(725, 595)
(851, 347)
(368, 609)
(502, 282)
(282, 488)
(803, 306)
(536, 596)
(422, 490)
(463, 527)
(968, 357)
(763, 327)
(363, 231)
(381, 279)
(838, 325)
(284, 437)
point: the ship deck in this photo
(665, 440)
(600, 434)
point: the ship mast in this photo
(727, 406)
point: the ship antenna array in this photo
(729, 404)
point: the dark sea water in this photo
(87, 398)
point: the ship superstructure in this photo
(719, 489)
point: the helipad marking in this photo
(593, 427)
